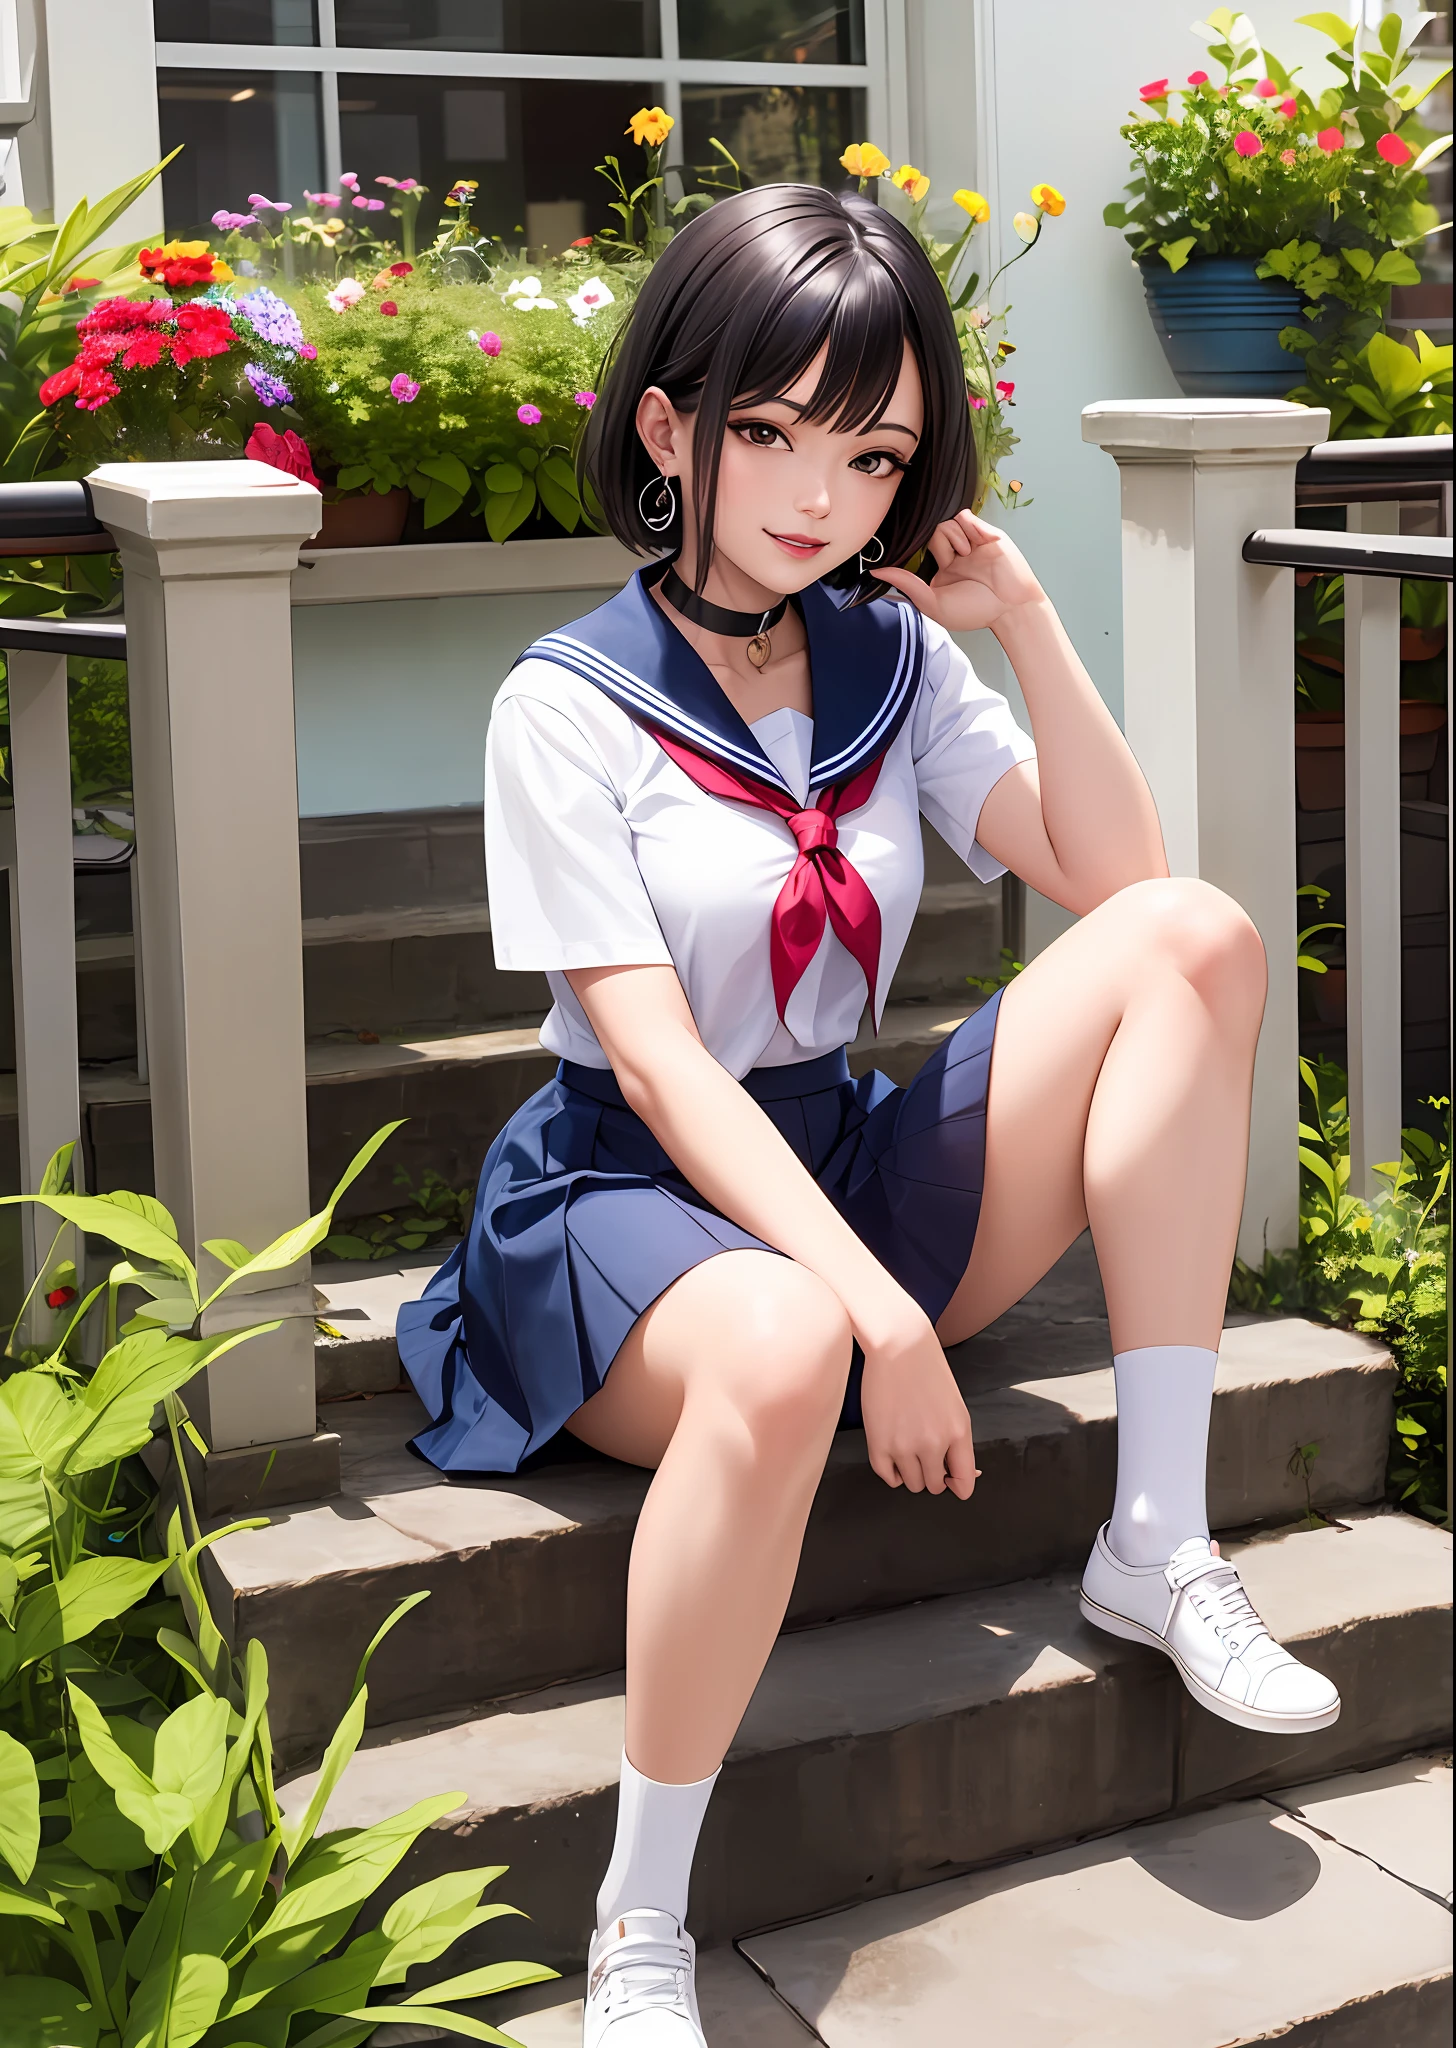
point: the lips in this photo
(799, 544)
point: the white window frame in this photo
(882, 77)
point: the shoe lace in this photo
(640, 1976)
(1217, 1594)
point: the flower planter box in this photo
(351, 575)
(1219, 325)
(371, 519)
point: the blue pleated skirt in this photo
(581, 1221)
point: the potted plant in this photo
(1266, 220)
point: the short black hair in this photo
(735, 310)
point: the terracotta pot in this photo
(1319, 751)
(1331, 996)
(372, 519)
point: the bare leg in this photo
(1119, 1097)
(730, 1384)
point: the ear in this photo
(662, 431)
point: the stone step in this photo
(528, 1572)
(891, 1751)
(1316, 1915)
(456, 1093)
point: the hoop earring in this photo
(664, 505)
(868, 560)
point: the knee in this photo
(1208, 938)
(790, 1360)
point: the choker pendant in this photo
(755, 627)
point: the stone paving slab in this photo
(528, 1573)
(738, 2009)
(1399, 1817)
(881, 1753)
(1208, 1931)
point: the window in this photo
(526, 96)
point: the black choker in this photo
(754, 627)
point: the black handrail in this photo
(106, 637)
(1351, 554)
(1402, 459)
(60, 509)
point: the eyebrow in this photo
(875, 426)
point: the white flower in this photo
(589, 299)
(524, 295)
(346, 293)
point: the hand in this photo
(916, 1424)
(981, 576)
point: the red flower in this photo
(1329, 140)
(1289, 108)
(1394, 151)
(176, 270)
(400, 269)
(78, 284)
(1247, 143)
(61, 385)
(288, 452)
(201, 331)
(144, 351)
(1266, 89)
(1198, 78)
(1158, 90)
(59, 1296)
(1005, 390)
(388, 308)
(582, 242)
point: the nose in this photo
(812, 498)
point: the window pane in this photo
(533, 145)
(793, 134)
(773, 31)
(235, 21)
(569, 28)
(244, 131)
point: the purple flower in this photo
(273, 205)
(529, 415)
(229, 221)
(585, 399)
(272, 319)
(404, 389)
(489, 344)
(270, 390)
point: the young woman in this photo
(703, 1247)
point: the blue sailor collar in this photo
(866, 664)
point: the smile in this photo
(798, 544)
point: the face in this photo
(795, 498)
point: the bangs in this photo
(736, 310)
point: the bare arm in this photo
(725, 1147)
(1079, 822)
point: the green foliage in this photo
(989, 984)
(427, 1215)
(154, 1894)
(1381, 388)
(1376, 1266)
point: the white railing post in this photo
(1372, 857)
(43, 950)
(1208, 702)
(207, 550)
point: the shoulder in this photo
(546, 712)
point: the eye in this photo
(877, 462)
(760, 433)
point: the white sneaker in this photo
(1195, 1610)
(639, 1985)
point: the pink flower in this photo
(1329, 140)
(977, 404)
(346, 293)
(529, 415)
(489, 344)
(1286, 156)
(1393, 151)
(308, 352)
(322, 198)
(585, 399)
(404, 390)
(1289, 108)
(349, 181)
(388, 308)
(1198, 78)
(1158, 90)
(1004, 390)
(1267, 89)
(273, 205)
(1247, 143)
(366, 205)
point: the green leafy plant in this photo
(989, 984)
(1384, 387)
(154, 1893)
(428, 1213)
(1379, 1266)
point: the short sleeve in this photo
(565, 888)
(963, 739)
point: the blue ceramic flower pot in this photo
(1219, 325)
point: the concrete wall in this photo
(96, 115)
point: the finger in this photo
(942, 548)
(961, 1465)
(884, 1468)
(956, 534)
(919, 592)
(980, 530)
(909, 1470)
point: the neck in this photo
(726, 584)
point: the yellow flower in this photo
(335, 226)
(222, 273)
(1026, 225)
(863, 160)
(972, 203)
(176, 248)
(910, 181)
(650, 125)
(1049, 199)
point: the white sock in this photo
(1164, 1398)
(657, 1832)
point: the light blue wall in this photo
(391, 700)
